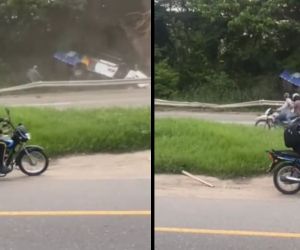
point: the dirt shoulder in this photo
(243, 188)
(102, 166)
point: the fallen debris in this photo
(197, 178)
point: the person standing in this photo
(33, 74)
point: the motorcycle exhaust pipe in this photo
(290, 179)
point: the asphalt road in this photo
(250, 214)
(82, 202)
(224, 117)
(131, 97)
(210, 242)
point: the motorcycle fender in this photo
(28, 148)
(262, 117)
(272, 166)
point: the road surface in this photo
(84, 202)
(131, 97)
(236, 214)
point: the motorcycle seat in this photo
(290, 153)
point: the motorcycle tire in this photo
(27, 165)
(262, 122)
(286, 167)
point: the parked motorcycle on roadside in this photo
(30, 159)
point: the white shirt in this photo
(287, 106)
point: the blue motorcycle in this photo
(30, 159)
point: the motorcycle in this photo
(270, 120)
(30, 159)
(285, 166)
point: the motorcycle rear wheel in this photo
(285, 169)
(35, 163)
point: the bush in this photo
(166, 80)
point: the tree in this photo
(236, 39)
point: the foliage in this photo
(166, 80)
(233, 41)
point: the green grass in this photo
(86, 131)
(222, 150)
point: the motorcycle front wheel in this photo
(33, 163)
(262, 123)
(282, 184)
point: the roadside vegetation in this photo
(221, 150)
(86, 131)
(224, 51)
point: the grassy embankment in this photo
(222, 150)
(86, 131)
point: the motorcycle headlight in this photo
(28, 136)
